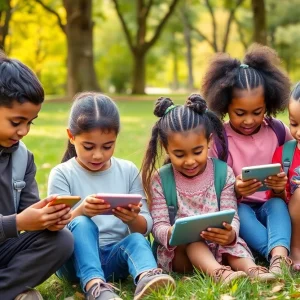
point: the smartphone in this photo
(260, 173)
(68, 200)
(119, 200)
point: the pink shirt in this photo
(251, 150)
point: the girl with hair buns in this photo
(184, 133)
(252, 93)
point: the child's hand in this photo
(64, 220)
(220, 236)
(127, 215)
(92, 206)
(246, 188)
(170, 231)
(277, 182)
(40, 216)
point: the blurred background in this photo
(141, 46)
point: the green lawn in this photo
(48, 139)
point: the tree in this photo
(5, 16)
(259, 22)
(141, 46)
(79, 34)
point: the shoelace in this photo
(278, 259)
(254, 271)
(217, 274)
(96, 291)
(156, 271)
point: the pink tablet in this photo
(121, 200)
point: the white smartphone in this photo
(260, 173)
(119, 200)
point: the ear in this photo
(210, 141)
(71, 137)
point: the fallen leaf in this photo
(295, 295)
(186, 278)
(226, 297)
(277, 288)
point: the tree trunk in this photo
(79, 33)
(5, 16)
(259, 22)
(175, 84)
(139, 73)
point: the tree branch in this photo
(203, 37)
(214, 24)
(229, 21)
(124, 26)
(52, 11)
(241, 34)
(161, 25)
(148, 7)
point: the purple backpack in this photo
(277, 126)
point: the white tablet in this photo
(187, 230)
(119, 200)
(260, 173)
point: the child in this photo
(293, 173)
(248, 92)
(30, 257)
(184, 132)
(106, 246)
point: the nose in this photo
(189, 161)
(248, 120)
(22, 131)
(97, 155)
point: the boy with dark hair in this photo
(33, 243)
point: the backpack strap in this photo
(220, 176)
(287, 155)
(279, 129)
(169, 188)
(19, 166)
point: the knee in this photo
(137, 239)
(64, 242)
(277, 203)
(82, 222)
(243, 210)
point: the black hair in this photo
(91, 111)
(260, 67)
(192, 115)
(18, 83)
(295, 95)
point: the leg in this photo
(252, 231)
(294, 209)
(181, 262)
(19, 269)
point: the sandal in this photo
(260, 273)
(278, 263)
(217, 275)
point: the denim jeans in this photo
(265, 226)
(132, 255)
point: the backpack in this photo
(169, 189)
(19, 166)
(276, 125)
(288, 154)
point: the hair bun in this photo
(196, 103)
(161, 106)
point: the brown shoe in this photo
(218, 275)
(260, 273)
(278, 263)
(29, 295)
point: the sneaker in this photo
(29, 295)
(261, 274)
(152, 281)
(102, 291)
(278, 263)
(218, 275)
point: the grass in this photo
(48, 140)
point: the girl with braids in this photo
(251, 93)
(106, 246)
(184, 132)
(293, 173)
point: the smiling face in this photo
(188, 152)
(15, 121)
(246, 110)
(94, 148)
(294, 117)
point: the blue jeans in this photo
(132, 255)
(265, 226)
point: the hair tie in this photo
(169, 108)
(244, 66)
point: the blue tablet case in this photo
(187, 230)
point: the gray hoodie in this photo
(29, 195)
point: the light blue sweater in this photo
(70, 178)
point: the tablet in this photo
(260, 173)
(187, 230)
(121, 200)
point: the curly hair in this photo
(193, 114)
(260, 67)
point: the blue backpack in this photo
(169, 188)
(288, 154)
(276, 125)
